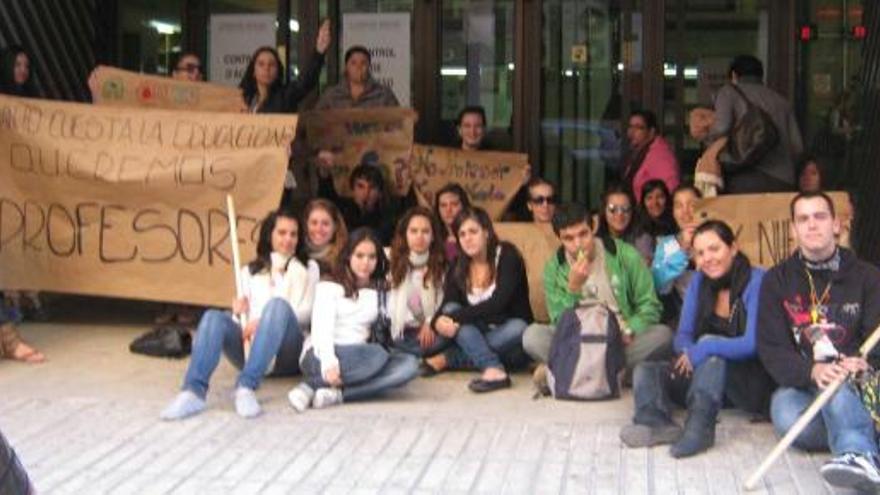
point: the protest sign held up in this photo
(117, 87)
(377, 136)
(762, 222)
(491, 178)
(131, 203)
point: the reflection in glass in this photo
(582, 74)
(477, 65)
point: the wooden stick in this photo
(807, 416)
(236, 265)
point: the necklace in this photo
(815, 301)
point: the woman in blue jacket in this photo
(716, 344)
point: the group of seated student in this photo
(454, 296)
(766, 343)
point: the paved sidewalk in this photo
(87, 422)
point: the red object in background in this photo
(859, 32)
(807, 32)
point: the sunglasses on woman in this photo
(539, 200)
(619, 209)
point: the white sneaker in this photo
(184, 405)
(246, 403)
(326, 397)
(851, 470)
(301, 396)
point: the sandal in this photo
(30, 355)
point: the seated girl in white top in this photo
(339, 363)
(417, 268)
(279, 291)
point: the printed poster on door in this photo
(233, 40)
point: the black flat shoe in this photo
(426, 370)
(480, 386)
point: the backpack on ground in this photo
(586, 359)
(751, 137)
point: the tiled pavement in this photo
(86, 423)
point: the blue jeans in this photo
(484, 346)
(278, 336)
(367, 370)
(409, 343)
(653, 389)
(843, 426)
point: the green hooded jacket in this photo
(631, 282)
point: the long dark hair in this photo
(736, 279)
(665, 224)
(400, 264)
(342, 273)
(263, 261)
(248, 82)
(7, 73)
(633, 229)
(461, 268)
(454, 188)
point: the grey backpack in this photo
(586, 359)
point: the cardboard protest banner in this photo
(490, 178)
(378, 136)
(537, 243)
(122, 88)
(132, 203)
(762, 222)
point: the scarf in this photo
(317, 253)
(736, 279)
(398, 299)
(832, 263)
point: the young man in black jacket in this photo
(816, 309)
(371, 204)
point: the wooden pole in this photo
(236, 265)
(807, 416)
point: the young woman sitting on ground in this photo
(417, 270)
(717, 359)
(340, 363)
(485, 305)
(279, 291)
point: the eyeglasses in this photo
(189, 68)
(539, 200)
(619, 209)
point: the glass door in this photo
(477, 66)
(702, 37)
(831, 62)
(588, 52)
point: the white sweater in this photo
(296, 286)
(340, 320)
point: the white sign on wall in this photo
(387, 37)
(233, 40)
